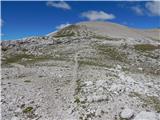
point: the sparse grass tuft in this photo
(111, 53)
(92, 63)
(148, 100)
(87, 62)
(28, 110)
(77, 100)
(152, 100)
(146, 47)
(69, 34)
(78, 88)
(103, 37)
(18, 58)
(27, 81)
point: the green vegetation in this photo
(77, 100)
(28, 110)
(61, 56)
(111, 53)
(103, 37)
(78, 88)
(152, 100)
(148, 100)
(29, 58)
(16, 58)
(92, 62)
(28, 81)
(145, 47)
(66, 34)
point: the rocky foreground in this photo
(87, 71)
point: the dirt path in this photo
(75, 69)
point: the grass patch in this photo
(88, 62)
(77, 100)
(92, 63)
(148, 100)
(154, 101)
(66, 34)
(27, 81)
(111, 53)
(28, 110)
(104, 37)
(18, 58)
(145, 47)
(78, 88)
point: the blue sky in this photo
(23, 19)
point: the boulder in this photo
(146, 116)
(127, 113)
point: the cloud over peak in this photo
(62, 26)
(61, 4)
(138, 10)
(1, 22)
(153, 7)
(97, 15)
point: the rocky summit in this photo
(85, 71)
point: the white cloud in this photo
(1, 22)
(60, 4)
(97, 15)
(62, 26)
(153, 7)
(125, 23)
(1, 34)
(138, 10)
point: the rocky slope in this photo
(86, 71)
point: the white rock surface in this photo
(15, 118)
(146, 116)
(127, 113)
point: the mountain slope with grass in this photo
(85, 71)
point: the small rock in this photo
(14, 118)
(146, 116)
(88, 83)
(127, 113)
(99, 83)
(18, 110)
(119, 67)
(140, 69)
(89, 99)
(98, 112)
(82, 99)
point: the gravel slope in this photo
(85, 71)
